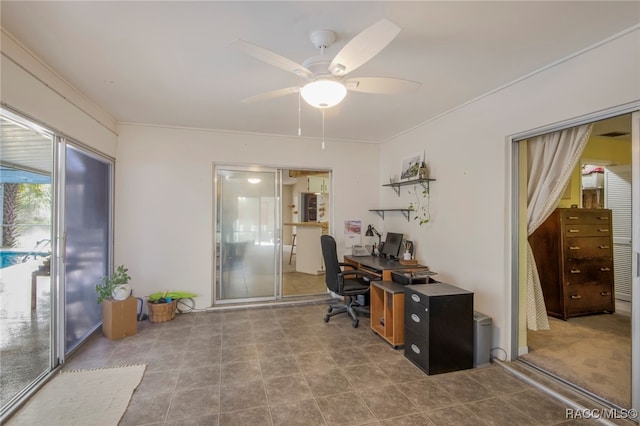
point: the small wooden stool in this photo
(293, 244)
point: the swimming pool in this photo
(11, 257)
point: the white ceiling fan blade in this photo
(382, 85)
(363, 47)
(272, 94)
(272, 58)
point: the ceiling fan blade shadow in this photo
(272, 58)
(271, 95)
(381, 85)
(364, 46)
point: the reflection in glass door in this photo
(247, 247)
(26, 308)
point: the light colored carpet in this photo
(83, 397)
(592, 351)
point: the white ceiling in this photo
(171, 63)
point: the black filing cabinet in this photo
(438, 327)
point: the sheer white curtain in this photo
(551, 159)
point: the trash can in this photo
(482, 339)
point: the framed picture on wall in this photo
(410, 166)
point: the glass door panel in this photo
(26, 163)
(247, 234)
(87, 218)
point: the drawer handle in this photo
(415, 297)
(604, 293)
(575, 271)
(415, 318)
(576, 296)
(605, 269)
(574, 231)
(573, 218)
(415, 348)
(603, 229)
(603, 247)
(574, 248)
(603, 217)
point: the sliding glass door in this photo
(26, 291)
(56, 234)
(87, 237)
(247, 241)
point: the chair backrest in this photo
(331, 263)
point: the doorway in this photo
(594, 352)
(306, 199)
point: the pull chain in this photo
(299, 109)
(323, 128)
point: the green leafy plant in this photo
(420, 206)
(109, 283)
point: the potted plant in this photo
(114, 286)
(119, 311)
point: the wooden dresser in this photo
(573, 249)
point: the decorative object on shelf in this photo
(410, 166)
(115, 286)
(420, 205)
(423, 172)
(408, 250)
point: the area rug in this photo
(82, 397)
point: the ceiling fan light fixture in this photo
(323, 93)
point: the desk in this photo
(380, 266)
(387, 311)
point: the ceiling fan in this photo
(327, 78)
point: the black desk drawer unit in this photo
(438, 327)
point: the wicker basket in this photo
(162, 312)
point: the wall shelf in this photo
(380, 212)
(396, 185)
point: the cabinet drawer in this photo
(588, 248)
(596, 230)
(416, 348)
(416, 314)
(589, 298)
(586, 216)
(588, 271)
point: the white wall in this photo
(164, 196)
(467, 150)
(44, 97)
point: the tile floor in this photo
(285, 366)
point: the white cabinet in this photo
(317, 184)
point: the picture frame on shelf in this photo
(410, 166)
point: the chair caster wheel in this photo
(355, 323)
(326, 318)
(330, 309)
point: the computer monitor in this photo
(391, 246)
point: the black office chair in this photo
(348, 283)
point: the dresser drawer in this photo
(589, 298)
(588, 271)
(588, 248)
(586, 230)
(585, 216)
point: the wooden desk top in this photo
(389, 286)
(380, 263)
